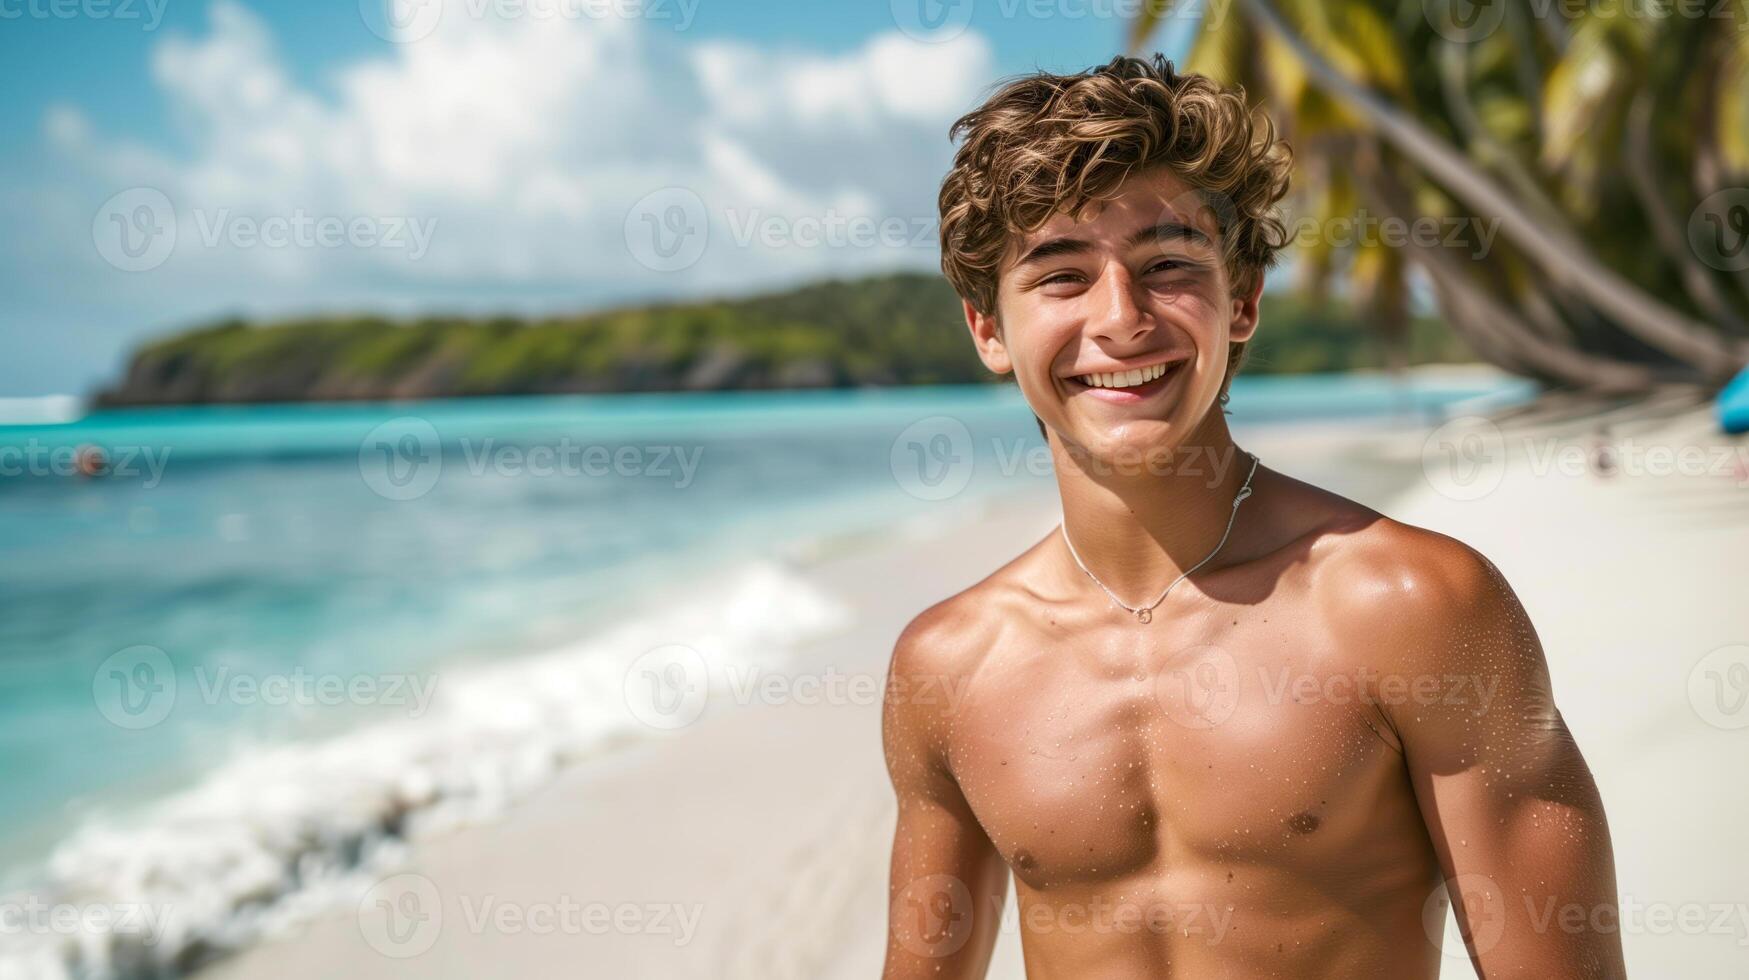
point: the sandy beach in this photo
(753, 842)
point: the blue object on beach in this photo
(1734, 404)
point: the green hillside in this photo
(900, 329)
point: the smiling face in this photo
(1116, 324)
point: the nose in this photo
(1114, 315)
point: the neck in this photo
(1138, 524)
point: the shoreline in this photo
(794, 788)
(759, 835)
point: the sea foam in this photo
(284, 833)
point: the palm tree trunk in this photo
(1474, 307)
(1564, 260)
(1483, 315)
(1454, 84)
(1697, 280)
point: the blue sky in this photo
(168, 162)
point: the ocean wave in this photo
(281, 834)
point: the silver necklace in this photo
(1145, 613)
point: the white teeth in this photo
(1122, 379)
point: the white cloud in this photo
(528, 140)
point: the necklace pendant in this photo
(1145, 615)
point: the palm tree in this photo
(1589, 138)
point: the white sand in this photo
(771, 823)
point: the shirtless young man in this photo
(1273, 771)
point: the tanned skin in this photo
(1273, 777)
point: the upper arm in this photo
(1509, 803)
(947, 880)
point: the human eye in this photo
(1170, 264)
(1060, 282)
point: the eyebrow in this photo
(1166, 231)
(1054, 247)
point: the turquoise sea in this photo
(413, 540)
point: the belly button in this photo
(1304, 823)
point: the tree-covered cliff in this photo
(891, 330)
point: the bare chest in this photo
(1091, 757)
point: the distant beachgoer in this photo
(1602, 453)
(1220, 722)
(89, 460)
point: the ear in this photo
(987, 337)
(1244, 324)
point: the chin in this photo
(1115, 434)
(1129, 445)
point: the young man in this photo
(1275, 766)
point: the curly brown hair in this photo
(1046, 143)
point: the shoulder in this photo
(946, 645)
(1390, 590)
(1436, 624)
(952, 637)
(938, 651)
(1397, 575)
(1359, 563)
